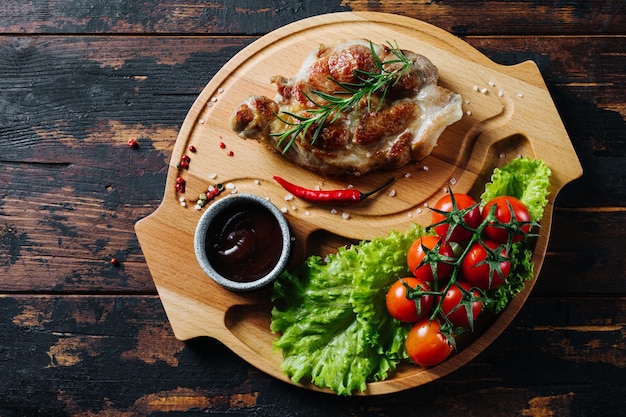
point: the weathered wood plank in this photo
(584, 244)
(461, 17)
(58, 93)
(117, 356)
(510, 18)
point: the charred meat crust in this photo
(383, 132)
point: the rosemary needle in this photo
(343, 100)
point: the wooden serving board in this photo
(508, 112)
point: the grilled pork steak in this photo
(386, 125)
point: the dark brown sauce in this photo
(244, 242)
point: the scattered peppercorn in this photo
(180, 185)
(184, 161)
(133, 143)
(192, 148)
(231, 153)
(222, 145)
(213, 191)
(114, 261)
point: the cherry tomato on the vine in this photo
(454, 306)
(404, 309)
(416, 255)
(483, 270)
(426, 345)
(472, 218)
(500, 234)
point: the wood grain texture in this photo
(249, 17)
(117, 356)
(78, 80)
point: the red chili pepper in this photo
(340, 197)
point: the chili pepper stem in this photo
(380, 188)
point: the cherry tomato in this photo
(500, 234)
(481, 274)
(471, 218)
(404, 309)
(455, 307)
(426, 345)
(416, 255)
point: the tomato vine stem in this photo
(495, 256)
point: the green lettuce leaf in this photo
(524, 178)
(331, 316)
(522, 268)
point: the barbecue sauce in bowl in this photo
(242, 242)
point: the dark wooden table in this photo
(80, 336)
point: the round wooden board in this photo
(508, 113)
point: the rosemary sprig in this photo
(344, 99)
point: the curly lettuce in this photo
(522, 268)
(331, 317)
(525, 179)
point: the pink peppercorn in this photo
(231, 153)
(192, 148)
(132, 143)
(184, 161)
(180, 185)
(222, 145)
